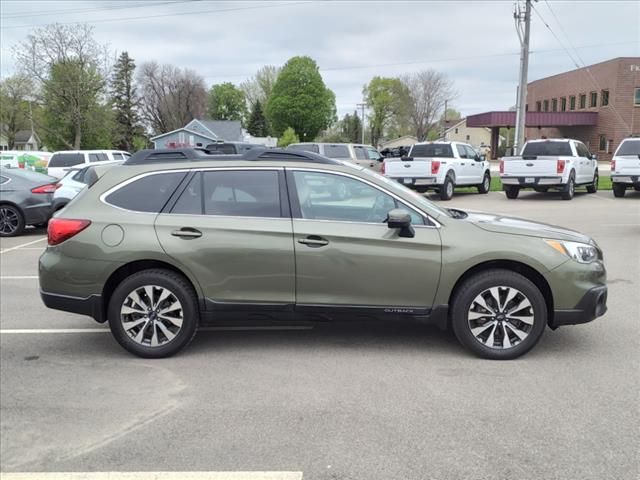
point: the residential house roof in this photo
(229, 130)
(23, 136)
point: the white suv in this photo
(74, 182)
(625, 167)
(61, 161)
(440, 166)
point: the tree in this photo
(227, 102)
(170, 97)
(126, 103)
(257, 124)
(300, 100)
(259, 87)
(288, 137)
(386, 98)
(452, 114)
(351, 128)
(70, 68)
(14, 102)
(427, 91)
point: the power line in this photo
(126, 6)
(174, 14)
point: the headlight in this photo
(580, 252)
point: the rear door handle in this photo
(314, 241)
(187, 233)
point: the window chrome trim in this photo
(436, 224)
(7, 180)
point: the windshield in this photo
(305, 147)
(438, 150)
(629, 147)
(548, 149)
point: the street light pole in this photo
(523, 35)
(362, 105)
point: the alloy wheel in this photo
(152, 315)
(9, 220)
(501, 317)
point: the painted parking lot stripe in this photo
(19, 277)
(153, 476)
(26, 331)
(22, 245)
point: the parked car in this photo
(74, 181)
(230, 148)
(440, 166)
(25, 199)
(625, 167)
(157, 248)
(561, 164)
(363, 155)
(29, 159)
(61, 161)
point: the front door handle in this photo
(187, 233)
(314, 241)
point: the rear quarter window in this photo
(550, 149)
(146, 194)
(66, 159)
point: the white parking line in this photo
(19, 277)
(153, 476)
(22, 245)
(20, 331)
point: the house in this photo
(199, 133)
(25, 140)
(405, 141)
(477, 137)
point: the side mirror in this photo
(594, 156)
(482, 158)
(400, 219)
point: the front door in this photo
(347, 256)
(231, 229)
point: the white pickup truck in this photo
(440, 166)
(625, 167)
(561, 164)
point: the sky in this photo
(473, 42)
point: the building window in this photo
(602, 146)
(526, 107)
(636, 98)
(468, 137)
(583, 100)
(563, 104)
(604, 98)
(572, 102)
(594, 99)
(546, 105)
(456, 130)
(538, 106)
(554, 104)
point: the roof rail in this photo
(198, 154)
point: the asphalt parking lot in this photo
(332, 401)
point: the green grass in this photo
(604, 183)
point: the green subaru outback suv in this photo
(174, 239)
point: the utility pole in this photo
(444, 123)
(522, 18)
(362, 105)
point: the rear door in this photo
(473, 168)
(232, 230)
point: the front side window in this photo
(582, 150)
(462, 153)
(147, 194)
(249, 193)
(373, 154)
(336, 151)
(471, 153)
(325, 196)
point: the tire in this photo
(498, 336)
(11, 221)
(619, 189)
(541, 189)
(512, 191)
(446, 190)
(593, 188)
(570, 188)
(181, 300)
(485, 186)
(637, 189)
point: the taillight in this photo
(435, 167)
(49, 188)
(613, 165)
(501, 166)
(61, 229)
(560, 166)
(382, 168)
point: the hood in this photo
(520, 226)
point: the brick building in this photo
(598, 104)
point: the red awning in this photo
(533, 119)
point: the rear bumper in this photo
(592, 305)
(534, 181)
(417, 181)
(91, 305)
(626, 179)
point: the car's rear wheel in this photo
(570, 188)
(619, 189)
(512, 191)
(154, 313)
(11, 221)
(593, 188)
(485, 186)
(498, 314)
(446, 191)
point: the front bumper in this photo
(592, 305)
(91, 305)
(626, 179)
(532, 182)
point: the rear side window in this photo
(438, 150)
(66, 159)
(118, 156)
(629, 147)
(243, 194)
(79, 175)
(551, 148)
(190, 201)
(309, 147)
(462, 152)
(147, 194)
(361, 154)
(336, 151)
(471, 153)
(582, 150)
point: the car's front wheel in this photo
(154, 313)
(485, 186)
(498, 314)
(446, 190)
